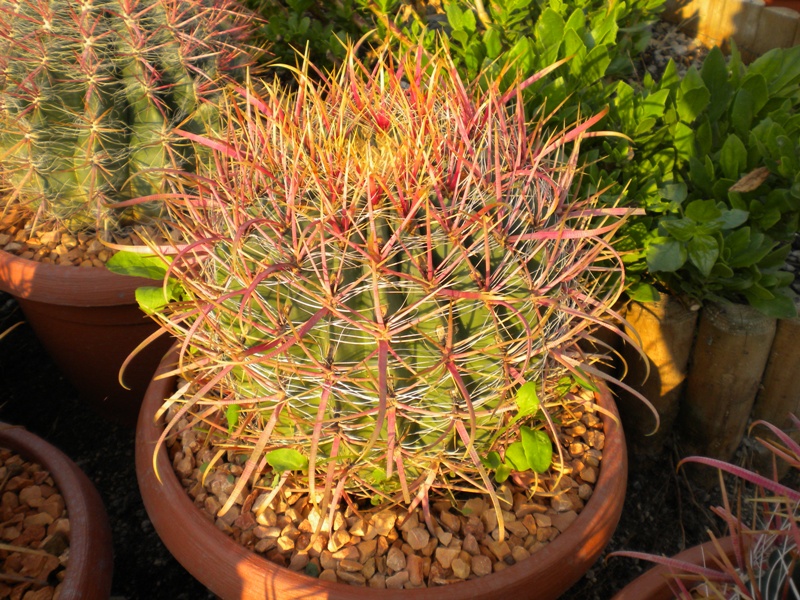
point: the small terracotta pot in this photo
(231, 571)
(89, 322)
(655, 583)
(91, 561)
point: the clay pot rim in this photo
(90, 571)
(580, 542)
(653, 584)
(66, 285)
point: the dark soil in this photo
(662, 514)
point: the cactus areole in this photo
(381, 260)
(90, 91)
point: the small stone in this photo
(516, 528)
(445, 556)
(564, 519)
(31, 496)
(377, 581)
(530, 524)
(591, 420)
(450, 521)
(415, 565)
(397, 581)
(41, 519)
(543, 520)
(418, 538)
(519, 553)
(338, 540)
(351, 578)
(499, 549)
(481, 565)
(410, 522)
(460, 568)
(383, 522)
(328, 575)
(589, 475)
(327, 561)
(489, 518)
(473, 506)
(347, 553)
(595, 439)
(396, 560)
(299, 561)
(474, 526)
(443, 536)
(366, 549)
(585, 491)
(350, 565)
(470, 544)
(561, 503)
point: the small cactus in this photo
(380, 261)
(90, 91)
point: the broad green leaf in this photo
(674, 192)
(643, 292)
(778, 307)
(743, 112)
(151, 299)
(733, 218)
(693, 96)
(232, 416)
(595, 64)
(733, 157)
(715, 76)
(538, 449)
(703, 252)
(515, 454)
(681, 229)
(493, 42)
(502, 473)
(548, 32)
(286, 459)
(492, 460)
(756, 85)
(684, 139)
(527, 399)
(665, 254)
(137, 265)
(703, 211)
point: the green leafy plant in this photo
(90, 93)
(723, 190)
(387, 276)
(766, 544)
(321, 29)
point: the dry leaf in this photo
(750, 181)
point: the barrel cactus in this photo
(387, 272)
(90, 91)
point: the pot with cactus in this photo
(759, 557)
(377, 323)
(89, 95)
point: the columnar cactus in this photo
(90, 91)
(380, 262)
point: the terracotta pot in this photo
(89, 322)
(231, 571)
(655, 583)
(91, 561)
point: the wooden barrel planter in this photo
(730, 353)
(666, 330)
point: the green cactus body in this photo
(90, 92)
(385, 261)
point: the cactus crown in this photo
(90, 91)
(381, 259)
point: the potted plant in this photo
(379, 312)
(89, 95)
(84, 529)
(759, 557)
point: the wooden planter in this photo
(730, 354)
(91, 562)
(89, 322)
(232, 572)
(754, 25)
(666, 329)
